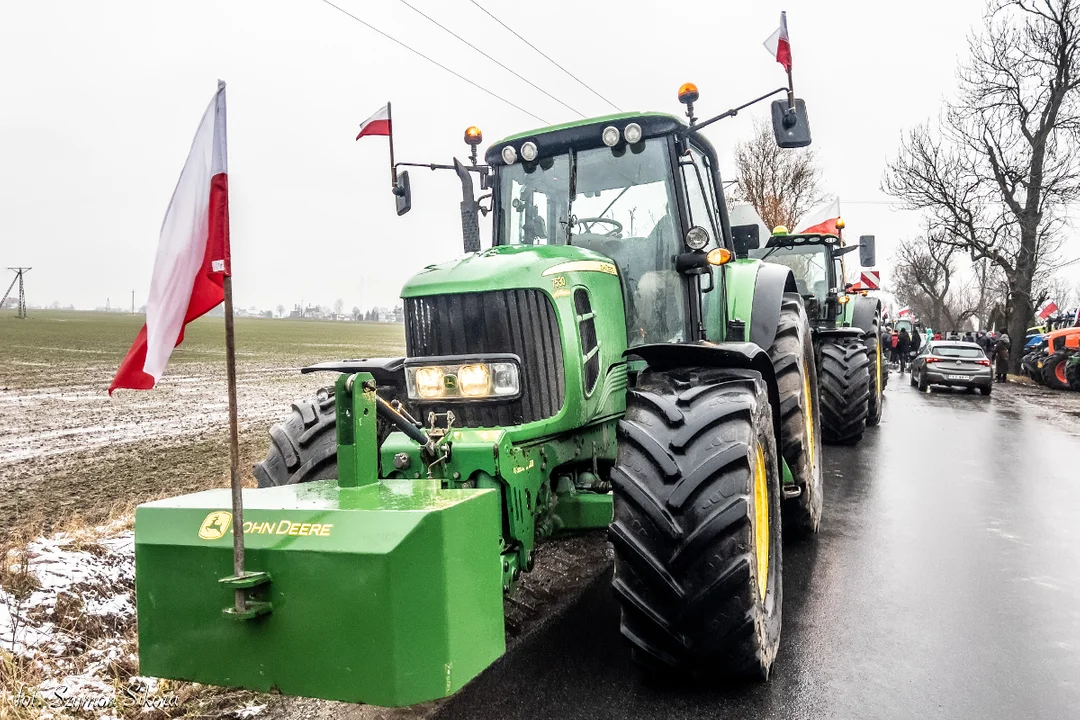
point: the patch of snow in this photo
(250, 711)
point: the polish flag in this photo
(778, 44)
(904, 312)
(1048, 308)
(377, 124)
(823, 219)
(192, 255)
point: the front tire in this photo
(1053, 371)
(303, 447)
(697, 530)
(792, 355)
(845, 391)
(923, 384)
(879, 374)
(1072, 372)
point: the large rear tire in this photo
(696, 530)
(1053, 371)
(792, 355)
(845, 391)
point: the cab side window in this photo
(697, 181)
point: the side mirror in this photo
(403, 193)
(745, 239)
(867, 251)
(791, 128)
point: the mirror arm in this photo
(735, 111)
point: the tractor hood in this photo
(504, 267)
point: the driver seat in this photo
(800, 286)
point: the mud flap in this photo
(388, 594)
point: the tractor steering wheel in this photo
(587, 225)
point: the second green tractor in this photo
(846, 327)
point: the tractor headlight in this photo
(528, 151)
(474, 380)
(632, 133)
(470, 380)
(610, 136)
(697, 237)
(429, 382)
(509, 155)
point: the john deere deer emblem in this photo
(215, 525)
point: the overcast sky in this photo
(99, 102)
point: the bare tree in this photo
(926, 279)
(339, 307)
(781, 184)
(1000, 165)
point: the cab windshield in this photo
(808, 263)
(623, 206)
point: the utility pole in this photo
(19, 272)
(132, 302)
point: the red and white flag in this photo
(822, 219)
(778, 44)
(904, 312)
(192, 255)
(1048, 308)
(377, 124)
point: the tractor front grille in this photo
(521, 322)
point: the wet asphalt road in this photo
(945, 583)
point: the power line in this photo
(547, 57)
(458, 75)
(504, 67)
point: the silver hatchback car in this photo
(952, 363)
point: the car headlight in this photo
(472, 380)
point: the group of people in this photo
(903, 345)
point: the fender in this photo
(740, 355)
(769, 287)
(385, 371)
(849, 332)
(866, 309)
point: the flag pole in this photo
(234, 448)
(390, 127)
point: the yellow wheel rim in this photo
(879, 367)
(761, 522)
(808, 403)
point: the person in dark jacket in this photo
(903, 344)
(916, 342)
(1001, 357)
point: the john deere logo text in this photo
(215, 525)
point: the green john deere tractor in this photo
(607, 363)
(846, 327)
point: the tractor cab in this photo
(637, 188)
(816, 260)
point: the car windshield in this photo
(624, 207)
(958, 351)
(807, 263)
